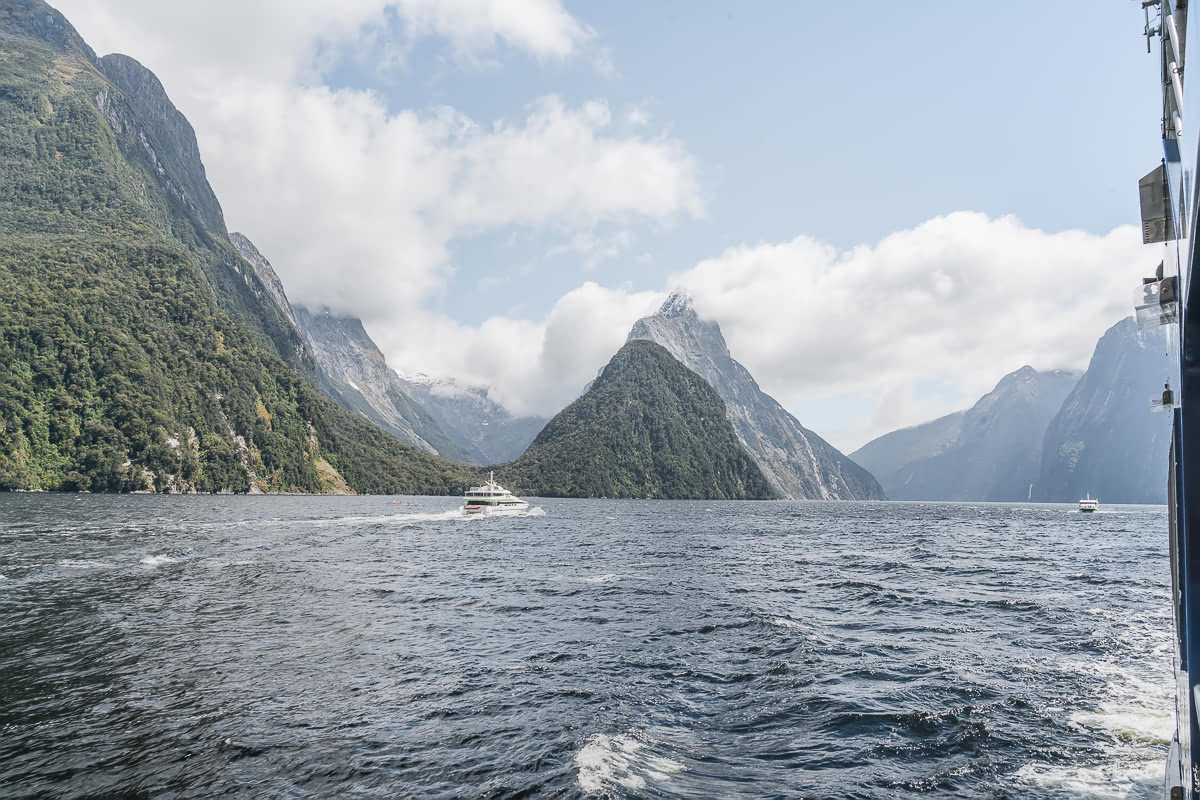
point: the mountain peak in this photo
(648, 427)
(1024, 374)
(167, 137)
(677, 304)
(796, 461)
(34, 19)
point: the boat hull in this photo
(508, 510)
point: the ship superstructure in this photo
(1168, 206)
(492, 499)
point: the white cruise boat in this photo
(492, 500)
(1088, 504)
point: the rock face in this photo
(352, 370)
(1105, 439)
(996, 455)
(648, 427)
(797, 462)
(168, 136)
(481, 427)
(266, 274)
(890, 453)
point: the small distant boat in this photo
(1088, 504)
(492, 500)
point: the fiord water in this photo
(355, 647)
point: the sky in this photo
(885, 213)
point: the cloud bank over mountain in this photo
(358, 203)
(955, 302)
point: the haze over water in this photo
(321, 647)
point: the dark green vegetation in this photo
(798, 463)
(648, 427)
(137, 349)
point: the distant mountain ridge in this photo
(351, 370)
(996, 453)
(1105, 440)
(890, 453)
(487, 431)
(797, 462)
(1100, 439)
(649, 427)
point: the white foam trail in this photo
(785, 623)
(451, 515)
(1115, 781)
(377, 519)
(417, 516)
(1134, 709)
(609, 578)
(660, 768)
(158, 560)
(72, 564)
(609, 761)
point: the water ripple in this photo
(328, 647)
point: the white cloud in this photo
(357, 212)
(272, 39)
(355, 205)
(594, 247)
(542, 27)
(959, 300)
(530, 367)
(859, 342)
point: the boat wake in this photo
(1140, 717)
(608, 762)
(412, 518)
(159, 559)
(1138, 780)
(79, 564)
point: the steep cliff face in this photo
(158, 139)
(1105, 439)
(138, 350)
(353, 371)
(797, 462)
(350, 368)
(648, 427)
(997, 454)
(890, 453)
(168, 137)
(485, 429)
(266, 275)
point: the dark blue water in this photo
(354, 647)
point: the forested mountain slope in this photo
(647, 427)
(137, 348)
